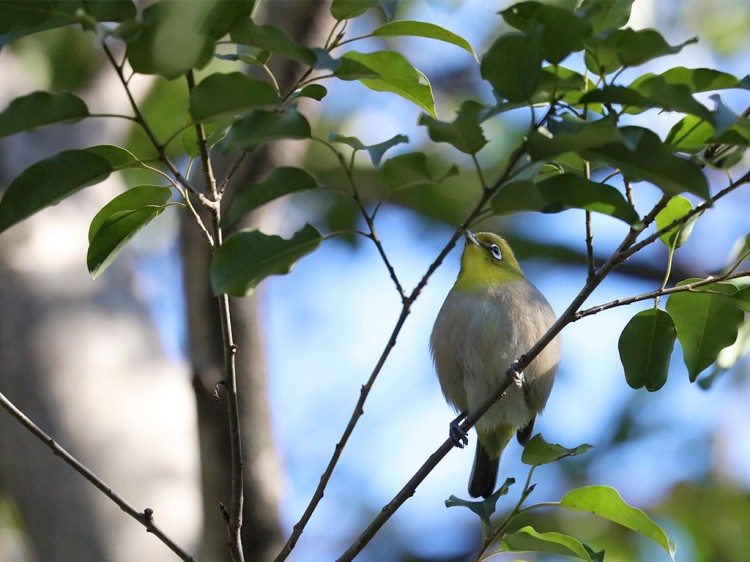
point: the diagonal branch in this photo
(145, 518)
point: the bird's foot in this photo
(456, 434)
(518, 378)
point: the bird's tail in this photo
(483, 474)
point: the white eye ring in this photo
(495, 251)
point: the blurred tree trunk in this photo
(82, 359)
(262, 532)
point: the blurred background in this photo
(680, 454)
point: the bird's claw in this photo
(456, 434)
(518, 377)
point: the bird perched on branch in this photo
(492, 316)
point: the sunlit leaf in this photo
(538, 452)
(249, 256)
(394, 74)
(39, 109)
(677, 207)
(645, 347)
(119, 221)
(49, 181)
(527, 539)
(607, 503)
(422, 29)
(706, 323)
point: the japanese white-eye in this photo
(491, 316)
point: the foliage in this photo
(582, 150)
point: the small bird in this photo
(491, 316)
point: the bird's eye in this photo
(496, 253)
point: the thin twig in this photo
(234, 515)
(145, 517)
(590, 266)
(689, 287)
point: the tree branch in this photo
(145, 518)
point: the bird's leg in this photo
(458, 435)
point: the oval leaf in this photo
(395, 74)
(120, 220)
(706, 323)
(410, 170)
(261, 126)
(645, 348)
(604, 501)
(272, 39)
(423, 29)
(561, 192)
(527, 539)
(464, 133)
(229, 94)
(280, 182)
(513, 66)
(677, 207)
(538, 452)
(39, 109)
(48, 182)
(249, 256)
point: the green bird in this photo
(492, 316)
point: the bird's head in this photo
(487, 261)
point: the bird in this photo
(491, 316)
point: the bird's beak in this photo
(469, 235)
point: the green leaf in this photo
(169, 40)
(690, 134)
(314, 91)
(651, 93)
(218, 95)
(49, 181)
(249, 256)
(121, 219)
(645, 347)
(695, 79)
(572, 135)
(561, 192)
(706, 323)
(513, 66)
(527, 539)
(218, 17)
(464, 133)
(273, 39)
(609, 52)
(538, 452)
(39, 109)
(394, 73)
(349, 9)
(261, 126)
(411, 170)
(423, 29)
(375, 151)
(280, 182)
(118, 157)
(561, 30)
(606, 14)
(23, 17)
(607, 503)
(485, 508)
(677, 207)
(651, 160)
